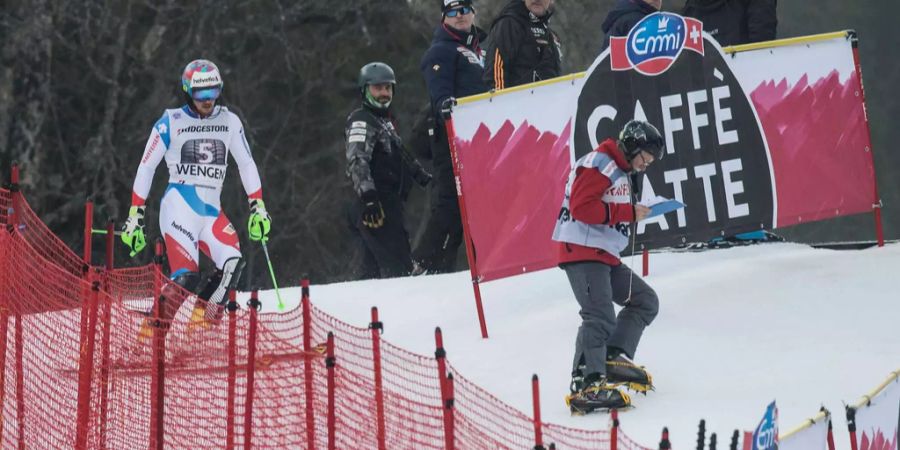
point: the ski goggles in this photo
(210, 93)
(457, 11)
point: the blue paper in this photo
(665, 207)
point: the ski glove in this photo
(373, 213)
(447, 107)
(422, 177)
(133, 231)
(260, 222)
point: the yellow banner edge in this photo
(728, 50)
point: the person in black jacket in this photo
(452, 67)
(735, 22)
(625, 15)
(521, 47)
(380, 169)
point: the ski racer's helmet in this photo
(638, 135)
(375, 73)
(201, 80)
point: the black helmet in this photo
(376, 73)
(638, 135)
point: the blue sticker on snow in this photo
(189, 194)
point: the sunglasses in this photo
(464, 10)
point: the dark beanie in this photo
(447, 5)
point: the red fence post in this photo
(664, 443)
(307, 366)
(876, 202)
(20, 378)
(20, 384)
(88, 228)
(536, 406)
(467, 236)
(105, 323)
(614, 431)
(232, 369)
(451, 414)
(830, 435)
(4, 328)
(251, 371)
(83, 329)
(158, 376)
(330, 365)
(376, 326)
(646, 255)
(446, 396)
(86, 368)
(851, 426)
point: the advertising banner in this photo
(765, 437)
(755, 139)
(811, 437)
(878, 421)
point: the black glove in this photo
(447, 107)
(422, 177)
(372, 214)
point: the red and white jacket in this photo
(593, 221)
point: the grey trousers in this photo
(596, 287)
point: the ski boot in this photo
(149, 327)
(145, 333)
(198, 320)
(223, 282)
(597, 396)
(621, 371)
(209, 307)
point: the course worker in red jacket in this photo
(592, 229)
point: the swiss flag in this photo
(618, 53)
(694, 38)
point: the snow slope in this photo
(737, 328)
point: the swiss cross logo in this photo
(162, 128)
(655, 43)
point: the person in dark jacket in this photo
(521, 47)
(452, 67)
(380, 169)
(735, 22)
(625, 15)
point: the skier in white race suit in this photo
(195, 141)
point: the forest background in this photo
(83, 81)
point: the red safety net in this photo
(76, 374)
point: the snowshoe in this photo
(577, 384)
(597, 396)
(621, 371)
(578, 381)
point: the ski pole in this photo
(96, 231)
(272, 273)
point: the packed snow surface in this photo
(737, 328)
